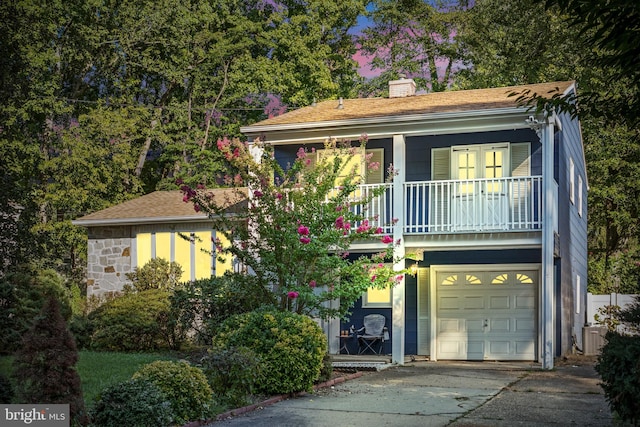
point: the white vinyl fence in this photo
(595, 302)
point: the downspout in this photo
(549, 214)
(398, 307)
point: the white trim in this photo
(398, 293)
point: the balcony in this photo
(461, 206)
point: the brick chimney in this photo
(401, 88)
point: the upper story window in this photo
(572, 181)
(467, 162)
(580, 195)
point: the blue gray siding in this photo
(572, 230)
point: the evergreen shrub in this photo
(290, 346)
(135, 402)
(185, 386)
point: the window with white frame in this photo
(580, 195)
(572, 181)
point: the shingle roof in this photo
(159, 206)
(437, 102)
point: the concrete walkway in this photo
(447, 394)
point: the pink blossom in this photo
(307, 162)
(301, 154)
(373, 278)
(379, 230)
(292, 295)
(338, 208)
(303, 231)
(200, 186)
(236, 152)
(279, 196)
(257, 194)
(387, 239)
(237, 180)
(398, 278)
(364, 227)
(374, 166)
(340, 222)
(179, 181)
(312, 284)
(196, 208)
(305, 240)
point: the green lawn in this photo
(99, 369)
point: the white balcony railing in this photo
(459, 206)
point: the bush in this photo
(135, 402)
(232, 374)
(44, 367)
(158, 273)
(185, 386)
(6, 390)
(290, 346)
(132, 322)
(619, 367)
(327, 369)
(204, 304)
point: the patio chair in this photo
(373, 333)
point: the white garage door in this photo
(486, 315)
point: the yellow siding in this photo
(203, 257)
(163, 245)
(143, 249)
(183, 256)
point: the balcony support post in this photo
(397, 312)
(547, 284)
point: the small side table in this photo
(344, 341)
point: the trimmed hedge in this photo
(290, 346)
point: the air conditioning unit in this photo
(593, 339)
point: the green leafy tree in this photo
(412, 38)
(299, 225)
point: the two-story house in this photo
(489, 197)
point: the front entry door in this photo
(479, 196)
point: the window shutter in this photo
(375, 176)
(424, 323)
(440, 164)
(520, 159)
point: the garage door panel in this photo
(499, 325)
(475, 325)
(527, 325)
(492, 317)
(448, 302)
(500, 302)
(474, 302)
(450, 325)
(525, 302)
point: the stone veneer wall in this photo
(108, 258)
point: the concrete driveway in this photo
(447, 394)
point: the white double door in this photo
(480, 198)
